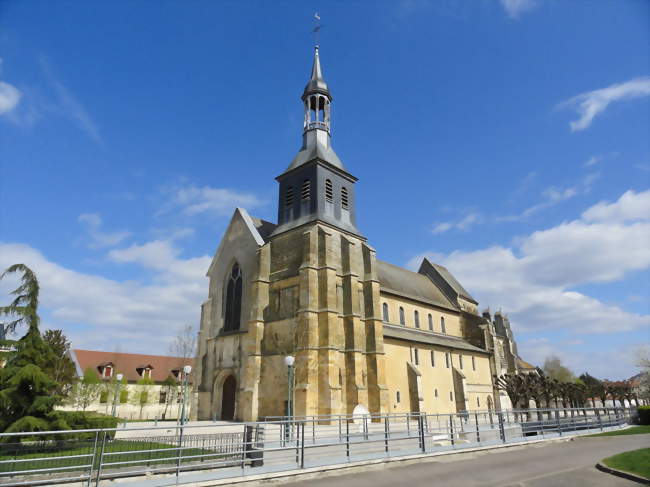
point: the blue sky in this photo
(506, 139)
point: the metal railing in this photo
(206, 451)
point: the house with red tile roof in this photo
(139, 374)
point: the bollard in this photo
(478, 435)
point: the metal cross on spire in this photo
(316, 29)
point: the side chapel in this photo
(362, 331)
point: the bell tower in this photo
(316, 186)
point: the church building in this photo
(363, 332)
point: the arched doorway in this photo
(228, 391)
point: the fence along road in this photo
(192, 453)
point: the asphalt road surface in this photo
(552, 464)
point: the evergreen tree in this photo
(27, 393)
(62, 369)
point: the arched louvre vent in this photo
(329, 196)
(305, 191)
(344, 198)
(288, 198)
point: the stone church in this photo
(362, 331)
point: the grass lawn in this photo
(634, 430)
(635, 461)
(131, 452)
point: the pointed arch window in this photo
(344, 198)
(232, 317)
(430, 322)
(402, 320)
(442, 325)
(416, 318)
(329, 192)
(305, 192)
(385, 312)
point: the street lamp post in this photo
(186, 381)
(117, 394)
(289, 360)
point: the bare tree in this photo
(184, 344)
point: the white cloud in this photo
(98, 238)
(534, 280)
(552, 196)
(463, 224)
(195, 200)
(631, 206)
(68, 105)
(590, 104)
(162, 257)
(592, 161)
(515, 8)
(9, 97)
(102, 313)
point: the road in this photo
(552, 464)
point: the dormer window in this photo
(105, 370)
(144, 371)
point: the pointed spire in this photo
(316, 83)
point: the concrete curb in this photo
(620, 473)
(357, 467)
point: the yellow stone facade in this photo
(363, 332)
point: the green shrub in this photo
(644, 414)
(78, 420)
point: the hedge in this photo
(78, 420)
(644, 414)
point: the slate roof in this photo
(409, 284)
(522, 364)
(316, 83)
(451, 280)
(263, 227)
(128, 363)
(312, 149)
(413, 335)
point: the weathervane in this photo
(316, 29)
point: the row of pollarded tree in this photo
(548, 392)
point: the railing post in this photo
(101, 459)
(347, 439)
(302, 447)
(386, 434)
(92, 460)
(244, 448)
(422, 433)
(178, 458)
(451, 430)
(600, 422)
(478, 434)
(502, 431)
(559, 423)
